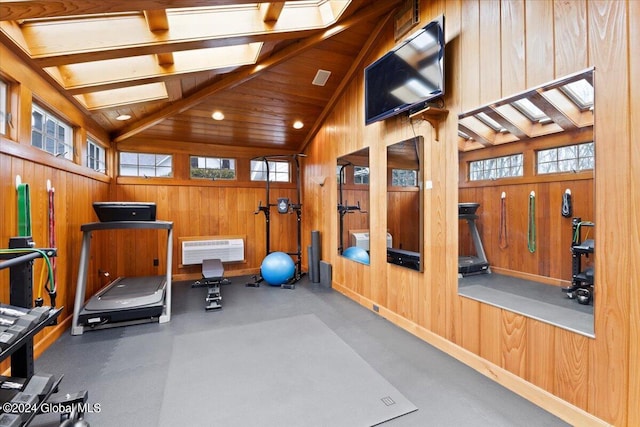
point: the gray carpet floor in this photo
(128, 370)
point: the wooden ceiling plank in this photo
(364, 51)
(17, 10)
(104, 37)
(249, 73)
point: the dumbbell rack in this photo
(20, 349)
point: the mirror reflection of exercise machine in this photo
(284, 206)
(581, 287)
(126, 300)
(472, 264)
(343, 206)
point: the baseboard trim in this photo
(534, 394)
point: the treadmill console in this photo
(125, 211)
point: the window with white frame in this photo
(96, 156)
(212, 168)
(4, 107)
(51, 134)
(570, 158)
(404, 178)
(146, 164)
(361, 175)
(496, 168)
(279, 170)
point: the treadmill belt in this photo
(128, 292)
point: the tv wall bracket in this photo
(433, 115)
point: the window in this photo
(96, 156)
(278, 171)
(404, 178)
(146, 165)
(361, 175)
(497, 167)
(51, 134)
(4, 107)
(570, 158)
(212, 168)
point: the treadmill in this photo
(126, 300)
(472, 264)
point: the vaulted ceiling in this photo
(169, 65)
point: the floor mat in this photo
(286, 372)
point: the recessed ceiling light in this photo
(298, 124)
(217, 115)
(123, 117)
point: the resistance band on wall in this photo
(24, 208)
(531, 229)
(503, 242)
(50, 284)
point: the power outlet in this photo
(156, 262)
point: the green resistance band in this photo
(24, 210)
(531, 229)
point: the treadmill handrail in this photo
(128, 225)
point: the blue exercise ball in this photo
(277, 268)
(357, 254)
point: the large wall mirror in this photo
(405, 203)
(352, 175)
(526, 203)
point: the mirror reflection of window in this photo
(405, 203)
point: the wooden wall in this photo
(75, 188)
(495, 49)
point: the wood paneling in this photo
(498, 48)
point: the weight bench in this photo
(212, 278)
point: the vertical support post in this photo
(21, 295)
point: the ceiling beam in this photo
(271, 11)
(33, 9)
(250, 72)
(158, 22)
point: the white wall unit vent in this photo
(226, 250)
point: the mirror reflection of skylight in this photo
(532, 112)
(484, 118)
(463, 135)
(580, 92)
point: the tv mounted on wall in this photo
(407, 77)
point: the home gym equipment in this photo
(472, 264)
(503, 239)
(409, 259)
(567, 205)
(24, 207)
(212, 278)
(356, 254)
(126, 300)
(284, 206)
(581, 287)
(531, 223)
(25, 395)
(277, 268)
(344, 207)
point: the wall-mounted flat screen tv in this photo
(409, 76)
